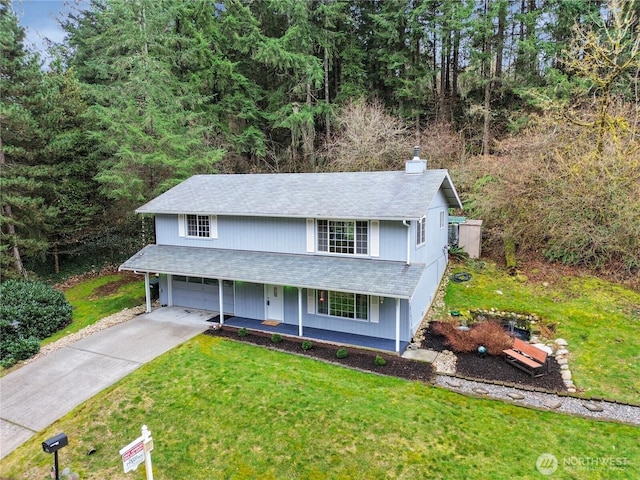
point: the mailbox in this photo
(55, 443)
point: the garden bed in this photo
(357, 358)
(493, 367)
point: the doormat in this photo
(271, 323)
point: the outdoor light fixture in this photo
(52, 445)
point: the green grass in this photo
(223, 409)
(599, 319)
(90, 305)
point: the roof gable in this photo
(365, 195)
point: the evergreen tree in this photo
(24, 214)
(149, 125)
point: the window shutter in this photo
(374, 309)
(375, 238)
(182, 225)
(311, 244)
(311, 301)
(213, 226)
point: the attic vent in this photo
(416, 164)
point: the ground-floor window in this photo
(343, 304)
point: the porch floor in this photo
(318, 334)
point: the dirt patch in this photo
(112, 287)
(358, 358)
(75, 280)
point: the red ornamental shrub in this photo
(490, 334)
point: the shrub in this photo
(14, 349)
(307, 345)
(379, 361)
(36, 309)
(342, 353)
(276, 338)
(243, 332)
(489, 333)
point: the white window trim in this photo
(421, 231)
(355, 240)
(442, 219)
(374, 238)
(355, 319)
(182, 226)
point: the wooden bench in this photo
(525, 356)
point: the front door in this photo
(275, 302)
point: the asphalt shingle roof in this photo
(355, 195)
(365, 276)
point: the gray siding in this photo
(436, 237)
(280, 235)
(250, 300)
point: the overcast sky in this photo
(38, 17)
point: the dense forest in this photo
(533, 105)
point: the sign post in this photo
(137, 452)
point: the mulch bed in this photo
(357, 358)
(491, 368)
(494, 368)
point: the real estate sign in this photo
(137, 452)
(133, 455)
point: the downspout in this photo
(407, 224)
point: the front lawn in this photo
(99, 297)
(223, 409)
(600, 320)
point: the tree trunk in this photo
(11, 229)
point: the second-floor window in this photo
(421, 231)
(198, 226)
(343, 236)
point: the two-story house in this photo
(354, 254)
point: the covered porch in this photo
(310, 333)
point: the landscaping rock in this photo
(561, 342)
(515, 395)
(454, 383)
(552, 404)
(543, 347)
(562, 361)
(564, 367)
(480, 390)
(593, 407)
(566, 375)
(562, 351)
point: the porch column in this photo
(169, 290)
(221, 300)
(147, 291)
(397, 325)
(299, 311)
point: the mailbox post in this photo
(52, 445)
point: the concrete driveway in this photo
(36, 395)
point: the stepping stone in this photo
(592, 407)
(552, 404)
(515, 395)
(454, 383)
(480, 390)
